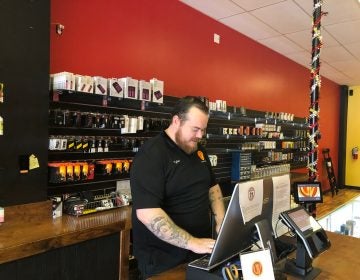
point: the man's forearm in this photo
(217, 204)
(160, 224)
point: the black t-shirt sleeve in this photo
(147, 180)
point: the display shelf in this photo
(91, 185)
(256, 118)
(74, 108)
(85, 101)
(63, 156)
(98, 179)
(251, 137)
(157, 117)
(82, 131)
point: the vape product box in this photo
(84, 83)
(116, 87)
(144, 90)
(57, 206)
(124, 124)
(132, 124)
(212, 106)
(63, 80)
(221, 105)
(2, 215)
(157, 89)
(100, 85)
(131, 88)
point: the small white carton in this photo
(144, 90)
(116, 87)
(100, 85)
(131, 88)
(157, 89)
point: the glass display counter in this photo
(344, 220)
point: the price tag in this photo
(55, 96)
(105, 101)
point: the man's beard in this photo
(185, 145)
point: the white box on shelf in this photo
(63, 80)
(2, 215)
(84, 83)
(157, 89)
(57, 206)
(131, 88)
(144, 90)
(100, 85)
(124, 124)
(116, 87)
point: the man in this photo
(172, 185)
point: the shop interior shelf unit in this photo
(157, 117)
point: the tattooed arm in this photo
(217, 205)
(160, 224)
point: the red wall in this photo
(170, 41)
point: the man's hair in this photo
(184, 104)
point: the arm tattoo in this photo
(214, 195)
(165, 229)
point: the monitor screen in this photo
(303, 220)
(307, 192)
(250, 202)
(234, 236)
(307, 229)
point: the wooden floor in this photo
(330, 203)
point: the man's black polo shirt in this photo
(164, 176)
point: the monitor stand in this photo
(302, 265)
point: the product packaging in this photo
(116, 87)
(144, 90)
(63, 80)
(131, 88)
(100, 85)
(157, 89)
(84, 83)
(57, 206)
(2, 215)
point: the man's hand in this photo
(201, 245)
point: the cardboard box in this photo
(144, 90)
(63, 80)
(2, 215)
(57, 207)
(100, 85)
(157, 90)
(84, 83)
(116, 87)
(131, 88)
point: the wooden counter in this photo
(30, 229)
(341, 261)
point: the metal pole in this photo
(315, 84)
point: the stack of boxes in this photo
(126, 87)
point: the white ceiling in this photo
(285, 26)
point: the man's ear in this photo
(176, 120)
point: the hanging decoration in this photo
(315, 84)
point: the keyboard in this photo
(202, 263)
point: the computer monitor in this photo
(236, 233)
(309, 231)
(234, 236)
(307, 192)
(311, 241)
